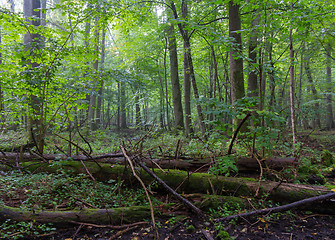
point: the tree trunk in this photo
(330, 123)
(316, 119)
(187, 97)
(271, 77)
(195, 182)
(137, 110)
(33, 42)
(252, 78)
(195, 88)
(99, 119)
(123, 120)
(176, 94)
(168, 122)
(236, 61)
(188, 64)
(93, 97)
(2, 105)
(292, 108)
(64, 218)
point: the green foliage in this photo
(53, 191)
(19, 230)
(224, 166)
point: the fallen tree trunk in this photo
(243, 163)
(52, 157)
(101, 216)
(276, 163)
(122, 215)
(191, 183)
(283, 208)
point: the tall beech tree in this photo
(33, 42)
(236, 58)
(176, 93)
(188, 64)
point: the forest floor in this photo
(294, 224)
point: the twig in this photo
(77, 231)
(236, 132)
(280, 208)
(143, 185)
(122, 232)
(145, 135)
(86, 203)
(158, 166)
(206, 234)
(89, 145)
(88, 172)
(111, 226)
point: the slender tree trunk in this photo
(187, 97)
(100, 92)
(118, 117)
(2, 106)
(195, 88)
(188, 64)
(330, 123)
(252, 77)
(93, 97)
(271, 77)
(161, 100)
(137, 110)
(166, 87)
(123, 122)
(236, 61)
(316, 119)
(292, 108)
(176, 94)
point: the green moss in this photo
(190, 229)
(329, 186)
(327, 158)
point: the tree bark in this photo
(64, 218)
(123, 115)
(195, 182)
(33, 42)
(292, 82)
(176, 94)
(93, 97)
(188, 65)
(99, 120)
(330, 123)
(316, 119)
(236, 61)
(2, 105)
(252, 77)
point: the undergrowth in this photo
(55, 191)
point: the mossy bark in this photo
(191, 183)
(101, 216)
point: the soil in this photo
(295, 225)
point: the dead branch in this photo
(280, 208)
(111, 226)
(122, 232)
(167, 187)
(236, 132)
(143, 185)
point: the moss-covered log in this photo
(101, 216)
(192, 183)
(243, 163)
